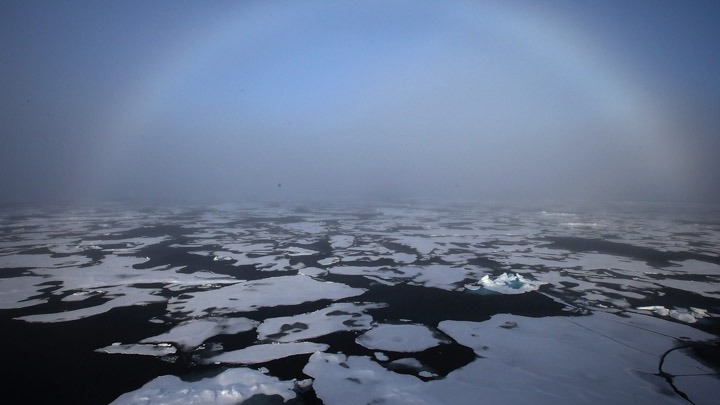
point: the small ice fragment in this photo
(682, 316)
(699, 312)
(658, 309)
(509, 325)
(303, 383)
(380, 356)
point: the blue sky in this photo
(218, 101)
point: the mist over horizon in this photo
(313, 101)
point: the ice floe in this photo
(120, 296)
(583, 359)
(249, 295)
(160, 349)
(191, 334)
(262, 353)
(400, 338)
(230, 387)
(336, 317)
(19, 292)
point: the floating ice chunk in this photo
(124, 296)
(658, 309)
(403, 258)
(267, 352)
(399, 338)
(298, 251)
(341, 241)
(249, 295)
(312, 271)
(191, 334)
(227, 388)
(17, 292)
(328, 261)
(506, 284)
(690, 315)
(405, 363)
(356, 380)
(337, 317)
(380, 356)
(692, 266)
(682, 316)
(162, 349)
(699, 312)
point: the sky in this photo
(221, 101)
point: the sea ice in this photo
(230, 387)
(399, 338)
(122, 296)
(266, 352)
(337, 317)
(17, 292)
(690, 315)
(506, 284)
(341, 241)
(162, 349)
(357, 380)
(191, 334)
(248, 295)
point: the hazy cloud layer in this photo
(315, 100)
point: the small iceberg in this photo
(504, 284)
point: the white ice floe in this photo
(407, 363)
(692, 266)
(263, 353)
(337, 317)
(341, 241)
(249, 295)
(162, 349)
(230, 387)
(120, 296)
(328, 261)
(505, 284)
(312, 271)
(380, 356)
(298, 251)
(83, 295)
(399, 338)
(191, 334)
(597, 359)
(357, 380)
(17, 292)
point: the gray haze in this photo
(303, 100)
